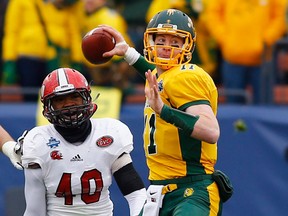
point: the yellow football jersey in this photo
(170, 153)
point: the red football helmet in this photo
(64, 81)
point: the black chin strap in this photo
(78, 134)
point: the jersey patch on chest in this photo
(104, 141)
(53, 143)
(56, 155)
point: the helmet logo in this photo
(190, 23)
(56, 155)
(104, 141)
(171, 12)
(167, 25)
(64, 88)
(188, 192)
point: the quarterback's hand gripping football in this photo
(121, 45)
(13, 150)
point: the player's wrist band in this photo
(179, 118)
(131, 56)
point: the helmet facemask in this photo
(150, 51)
(71, 116)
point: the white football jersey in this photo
(77, 177)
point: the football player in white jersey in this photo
(69, 163)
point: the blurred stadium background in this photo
(255, 159)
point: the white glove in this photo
(13, 150)
(8, 150)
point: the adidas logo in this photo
(76, 158)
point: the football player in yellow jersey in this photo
(181, 130)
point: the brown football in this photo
(95, 43)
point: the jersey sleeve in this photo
(33, 148)
(123, 138)
(35, 199)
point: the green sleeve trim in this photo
(142, 66)
(179, 118)
(185, 106)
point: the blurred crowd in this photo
(240, 43)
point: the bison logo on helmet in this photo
(56, 155)
(171, 12)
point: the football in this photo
(95, 43)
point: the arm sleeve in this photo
(126, 177)
(34, 193)
(133, 57)
(142, 66)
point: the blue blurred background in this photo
(255, 159)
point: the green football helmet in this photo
(172, 22)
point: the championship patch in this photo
(56, 155)
(104, 141)
(53, 143)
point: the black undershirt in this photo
(78, 134)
